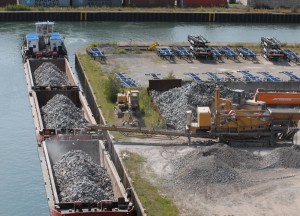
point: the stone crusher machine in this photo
(235, 121)
(243, 121)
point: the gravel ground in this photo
(216, 179)
(48, 74)
(61, 112)
(223, 164)
(80, 179)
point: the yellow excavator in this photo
(127, 101)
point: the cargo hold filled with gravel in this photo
(48, 74)
(80, 179)
(61, 112)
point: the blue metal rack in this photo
(182, 52)
(165, 52)
(215, 53)
(247, 76)
(269, 77)
(95, 52)
(125, 81)
(213, 76)
(228, 52)
(246, 53)
(231, 77)
(291, 55)
(195, 77)
(292, 76)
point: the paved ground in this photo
(140, 67)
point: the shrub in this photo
(294, 10)
(171, 75)
(111, 88)
(17, 8)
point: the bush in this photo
(120, 51)
(232, 1)
(170, 75)
(17, 8)
(294, 10)
(111, 88)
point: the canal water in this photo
(21, 183)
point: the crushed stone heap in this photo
(80, 179)
(223, 164)
(61, 112)
(174, 103)
(48, 74)
(286, 157)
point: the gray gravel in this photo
(286, 157)
(223, 164)
(174, 103)
(48, 74)
(61, 112)
(80, 179)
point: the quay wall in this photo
(32, 16)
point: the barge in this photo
(65, 134)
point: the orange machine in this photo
(278, 97)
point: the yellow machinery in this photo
(152, 46)
(232, 121)
(225, 117)
(128, 100)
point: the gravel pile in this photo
(286, 157)
(174, 103)
(80, 179)
(61, 112)
(48, 74)
(204, 166)
(223, 164)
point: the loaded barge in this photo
(63, 124)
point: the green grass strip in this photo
(96, 78)
(152, 200)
